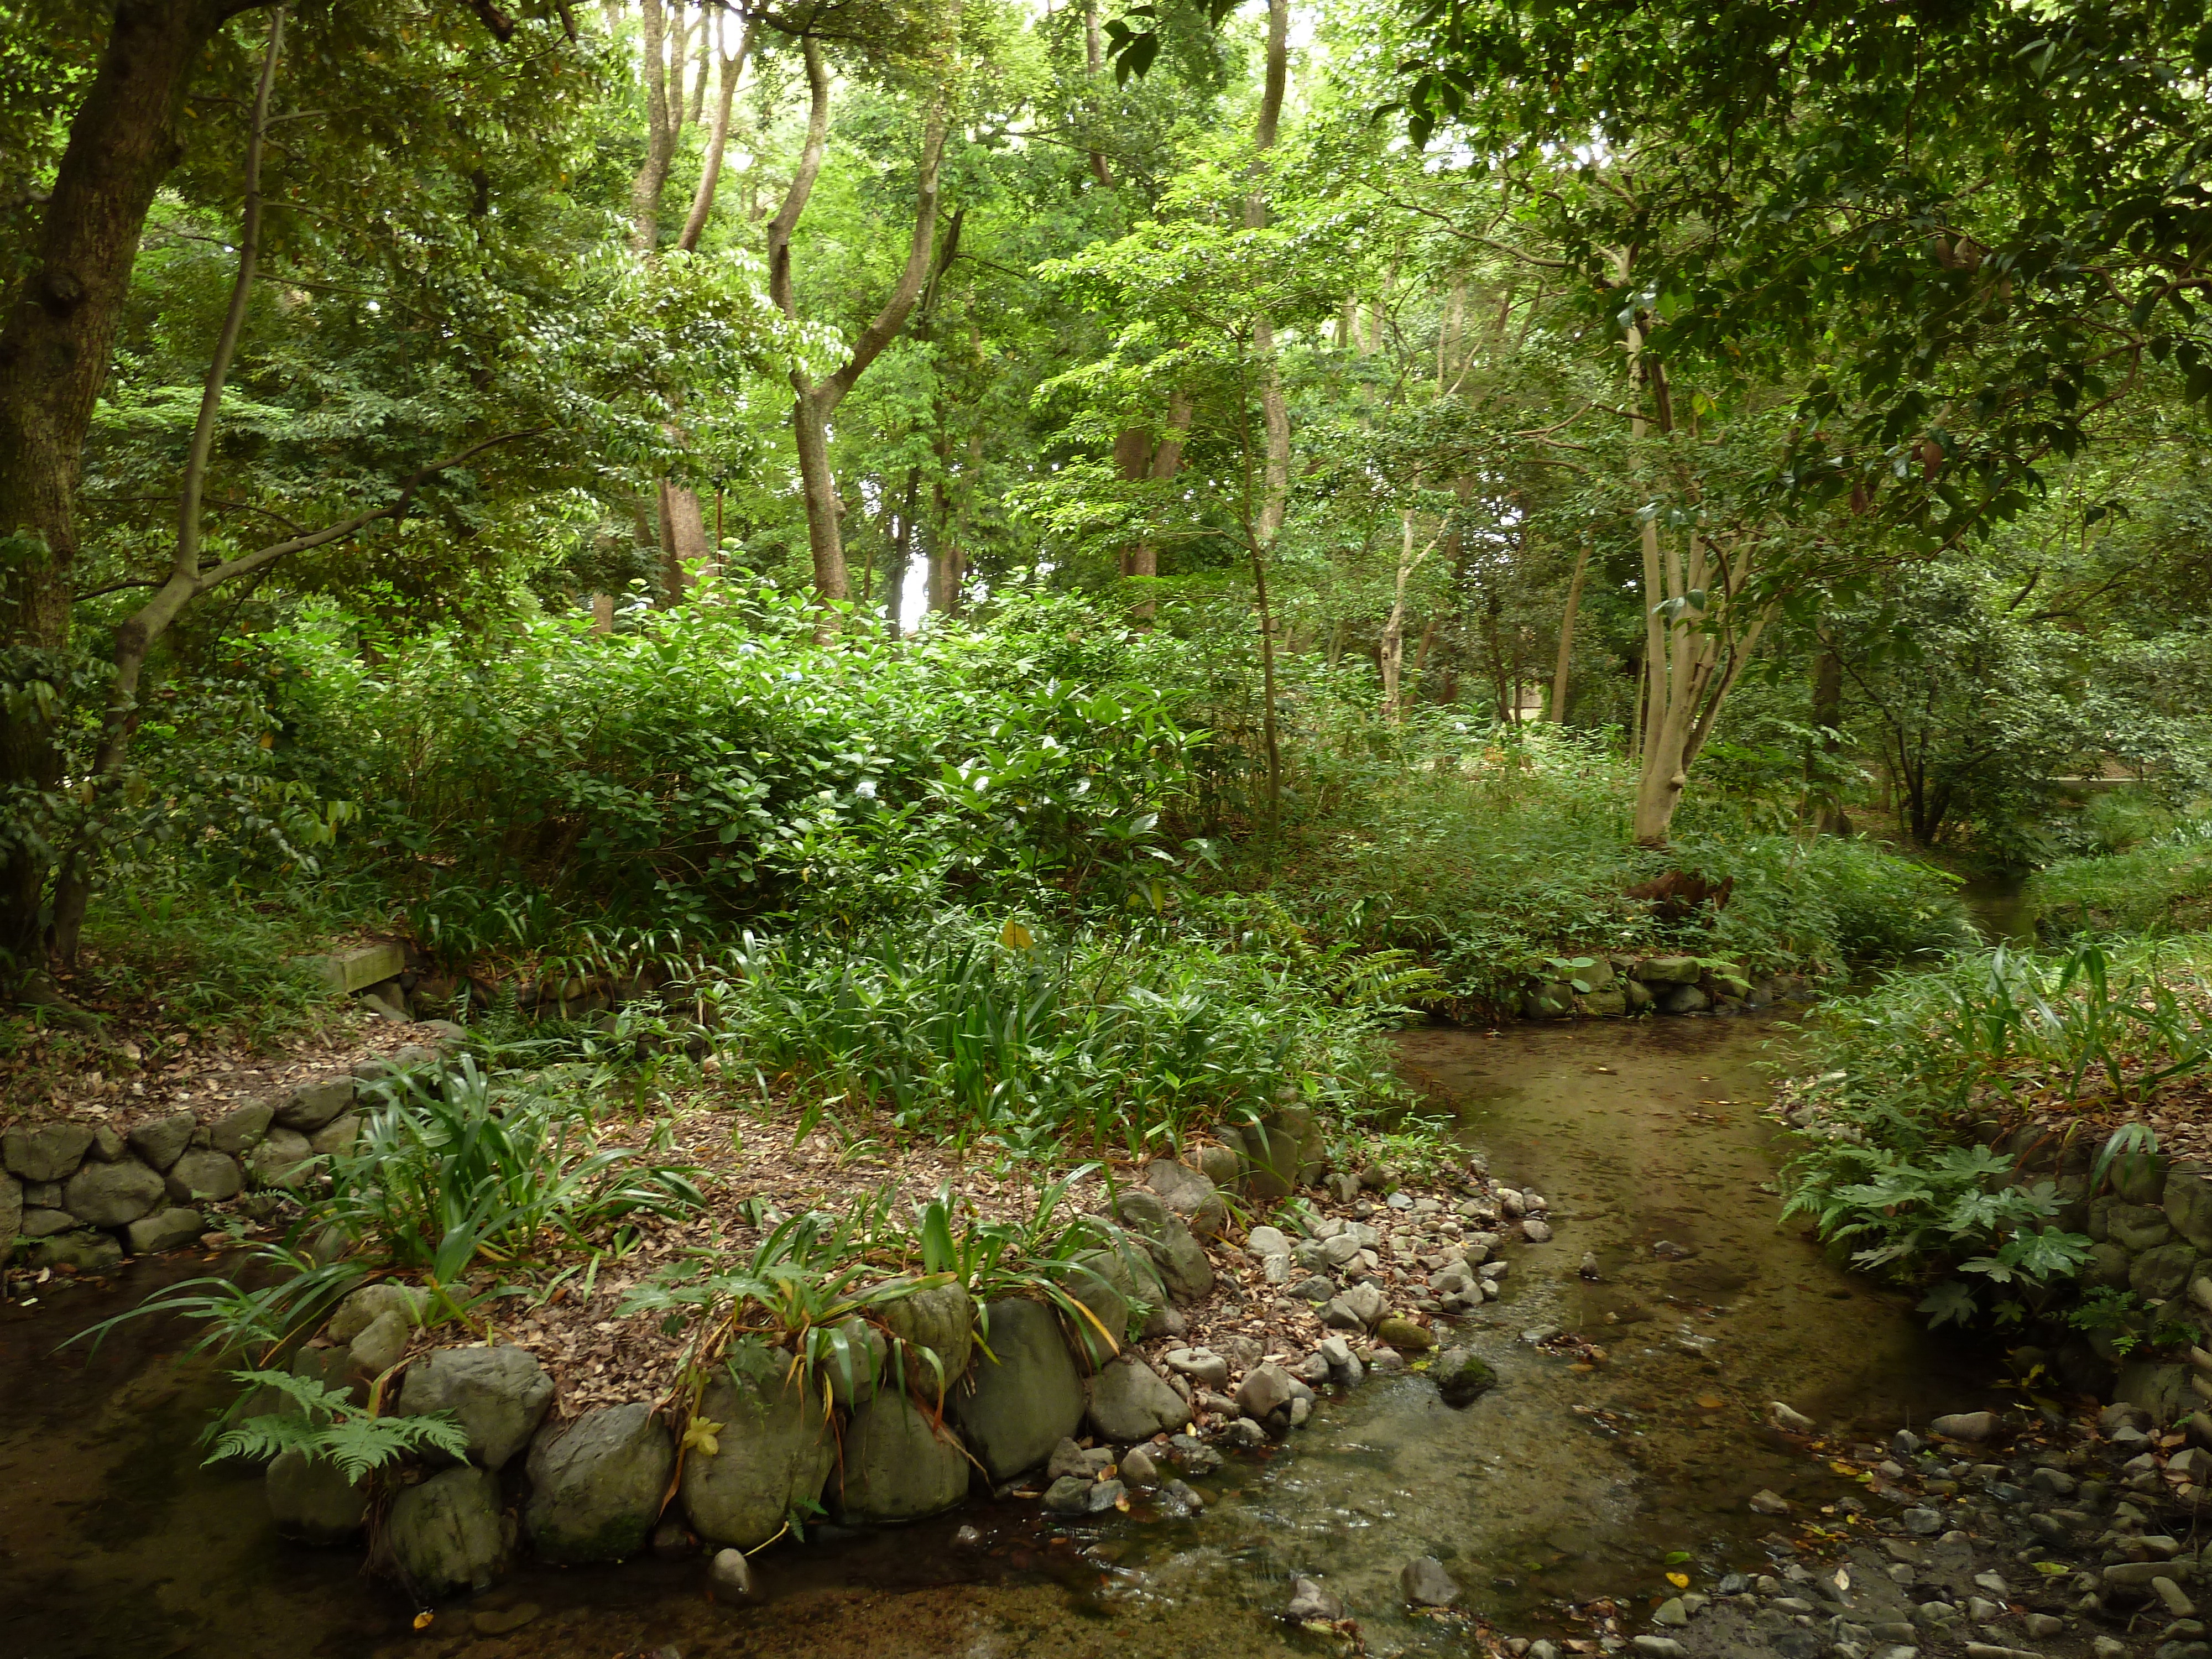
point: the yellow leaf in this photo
(1711, 1402)
(423, 1619)
(1015, 936)
(1678, 1580)
(700, 1436)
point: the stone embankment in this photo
(1619, 986)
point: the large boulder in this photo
(2162, 1391)
(85, 1252)
(164, 1230)
(498, 1395)
(1683, 1000)
(938, 1320)
(281, 1158)
(204, 1177)
(596, 1485)
(238, 1130)
(1463, 1376)
(311, 1499)
(1128, 1401)
(2188, 1205)
(897, 1467)
(447, 1534)
(1180, 1259)
(50, 1152)
(1189, 1194)
(1023, 1397)
(361, 1308)
(312, 1105)
(1112, 1283)
(161, 1141)
(1666, 970)
(773, 1451)
(112, 1194)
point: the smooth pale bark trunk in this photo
(663, 119)
(1557, 714)
(1392, 656)
(1827, 815)
(1094, 61)
(55, 346)
(1274, 408)
(813, 402)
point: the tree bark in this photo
(813, 403)
(55, 344)
(664, 118)
(1557, 714)
(1094, 63)
(1275, 492)
(1828, 814)
(718, 143)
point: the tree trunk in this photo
(1275, 491)
(718, 143)
(813, 403)
(664, 117)
(1828, 814)
(1557, 714)
(55, 344)
(1094, 63)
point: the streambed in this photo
(1562, 1483)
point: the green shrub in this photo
(2163, 888)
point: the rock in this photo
(1182, 1263)
(1922, 1522)
(1683, 1000)
(1536, 1232)
(595, 1484)
(1264, 1242)
(1285, 1151)
(2139, 1177)
(164, 1229)
(498, 1395)
(312, 1105)
(1069, 1495)
(1662, 1647)
(1550, 1000)
(897, 1467)
(2137, 1227)
(1461, 1377)
(51, 1153)
(279, 1161)
(1314, 1288)
(81, 1252)
(1666, 970)
(2162, 1391)
(2160, 1274)
(360, 1309)
(1426, 1584)
(1138, 1468)
(1189, 1194)
(730, 1577)
(2136, 1574)
(1067, 1458)
(11, 1212)
(1310, 1604)
(1265, 1395)
(2176, 1600)
(673, 1541)
(1246, 1434)
(1011, 1413)
(1405, 1335)
(2188, 1205)
(41, 1222)
(358, 966)
(1973, 1426)
(939, 1320)
(336, 1138)
(203, 1177)
(312, 1501)
(1219, 1164)
(1767, 1502)
(161, 1141)
(504, 1621)
(381, 1344)
(1202, 1365)
(447, 1533)
(1783, 1417)
(238, 1131)
(1671, 1612)
(774, 1453)
(112, 1194)
(1126, 1401)
(1111, 1282)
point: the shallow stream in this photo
(1565, 1481)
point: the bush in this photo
(2161, 889)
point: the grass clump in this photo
(2161, 889)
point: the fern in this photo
(329, 1426)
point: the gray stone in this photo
(1683, 1000)
(1666, 970)
(312, 1501)
(939, 1320)
(280, 1159)
(2162, 1391)
(1552, 1000)
(774, 1453)
(595, 1484)
(1974, 1426)
(238, 1131)
(1426, 1584)
(2160, 1274)
(1126, 1401)
(11, 1212)
(1189, 1194)
(498, 1395)
(1139, 1468)
(382, 1345)
(161, 1141)
(311, 1105)
(361, 1308)
(1219, 1164)
(2188, 1205)
(1314, 1288)
(1201, 1365)
(1264, 1242)
(857, 1373)
(164, 1229)
(112, 1194)
(2137, 1227)
(203, 1177)
(1068, 1458)
(730, 1577)
(1463, 1376)
(1265, 1396)
(2108, 1265)
(447, 1534)
(2139, 1177)
(1405, 1335)
(1012, 1413)
(1069, 1495)
(337, 1137)
(1604, 1005)
(1666, 1647)
(895, 1465)
(50, 1152)
(1310, 1604)
(1111, 1282)
(1922, 1522)
(358, 967)
(1182, 1262)
(1638, 995)
(80, 1252)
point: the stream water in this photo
(1561, 1483)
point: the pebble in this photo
(1764, 1502)
(2177, 1602)
(1536, 1232)
(1426, 1584)
(1671, 1612)
(1659, 1647)
(731, 1578)
(1311, 1603)
(1921, 1523)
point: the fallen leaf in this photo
(1678, 1580)
(1711, 1402)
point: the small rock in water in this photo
(1783, 1417)
(968, 1538)
(1246, 1433)
(1069, 1495)
(1589, 1269)
(1973, 1426)
(1764, 1502)
(1671, 1612)
(1666, 1251)
(1659, 1647)
(1905, 1443)
(1311, 1603)
(673, 1541)
(1922, 1522)
(1536, 1232)
(506, 1619)
(1734, 1585)
(1426, 1584)
(1385, 1361)
(731, 1577)
(1138, 1468)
